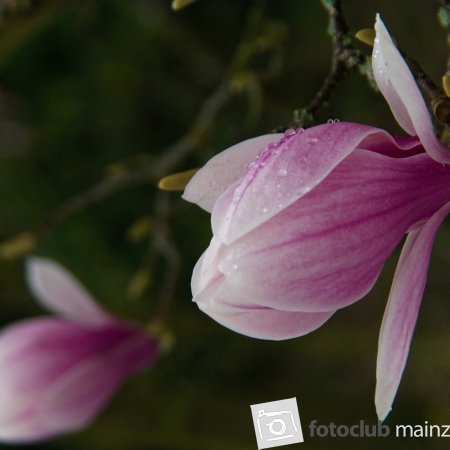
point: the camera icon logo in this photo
(277, 423)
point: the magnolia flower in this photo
(303, 222)
(56, 374)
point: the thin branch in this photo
(345, 58)
(146, 170)
(149, 169)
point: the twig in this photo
(164, 245)
(344, 59)
(149, 169)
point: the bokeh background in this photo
(88, 88)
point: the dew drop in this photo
(280, 205)
(330, 121)
(289, 132)
(264, 210)
(336, 120)
(282, 173)
(300, 130)
(312, 140)
(235, 266)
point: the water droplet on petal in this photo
(282, 173)
(264, 210)
(312, 140)
(235, 266)
(289, 132)
(330, 121)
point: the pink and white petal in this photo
(327, 249)
(79, 396)
(402, 310)
(400, 90)
(33, 354)
(59, 291)
(207, 267)
(285, 172)
(248, 318)
(224, 169)
(39, 357)
(24, 428)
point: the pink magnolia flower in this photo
(56, 374)
(303, 222)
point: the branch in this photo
(344, 59)
(148, 169)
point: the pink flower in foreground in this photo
(303, 223)
(56, 374)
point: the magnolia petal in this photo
(207, 266)
(33, 355)
(48, 365)
(326, 250)
(247, 318)
(79, 396)
(224, 169)
(58, 291)
(400, 90)
(402, 310)
(287, 171)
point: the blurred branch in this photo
(148, 169)
(161, 245)
(132, 173)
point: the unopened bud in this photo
(366, 35)
(18, 246)
(180, 4)
(446, 84)
(176, 181)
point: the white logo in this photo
(277, 423)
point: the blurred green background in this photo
(87, 84)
